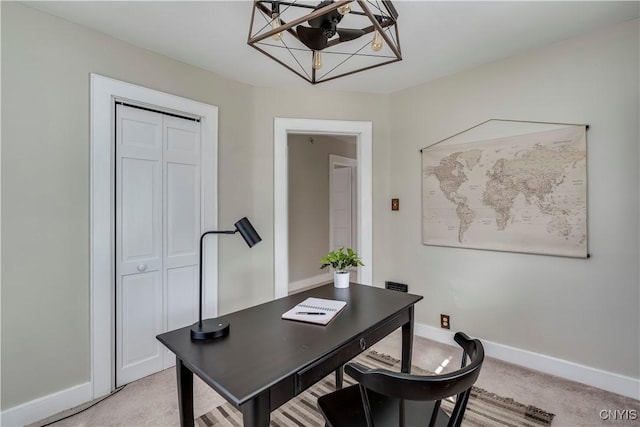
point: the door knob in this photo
(142, 267)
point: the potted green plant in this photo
(342, 261)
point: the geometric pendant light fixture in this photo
(323, 40)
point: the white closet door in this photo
(157, 236)
(181, 223)
(139, 299)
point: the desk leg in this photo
(185, 394)
(257, 412)
(339, 377)
(407, 342)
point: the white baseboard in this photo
(310, 281)
(604, 380)
(46, 406)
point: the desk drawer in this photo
(318, 370)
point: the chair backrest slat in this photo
(424, 387)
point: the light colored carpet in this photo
(152, 401)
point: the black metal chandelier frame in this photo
(371, 16)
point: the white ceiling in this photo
(437, 38)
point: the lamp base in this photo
(209, 329)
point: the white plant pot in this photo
(341, 280)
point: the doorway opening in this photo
(322, 183)
(362, 133)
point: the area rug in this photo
(483, 409)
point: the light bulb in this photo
(376, 44)
(343, 10)
(275, 23)
(317, 60)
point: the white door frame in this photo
(104, 92)
(363, 132)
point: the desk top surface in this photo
(262, 348)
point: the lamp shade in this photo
(249, 234)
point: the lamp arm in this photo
(200, 275)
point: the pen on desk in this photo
(311, 312)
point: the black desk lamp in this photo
(217, 328)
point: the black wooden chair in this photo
(385, 398)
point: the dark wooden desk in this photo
(265, 360)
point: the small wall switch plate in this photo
(395, 204)
(444, 321)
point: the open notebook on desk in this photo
(315, 310)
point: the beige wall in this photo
(46, 64)
(585, 311)
(45, 185)
(309, 200)
(313, 103)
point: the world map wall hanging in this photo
(523, 193)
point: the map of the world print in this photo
(525, 193)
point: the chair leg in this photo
(339, 377)
(434, 415)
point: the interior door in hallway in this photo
(341, 208)
(157, 231)
(342, 204)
